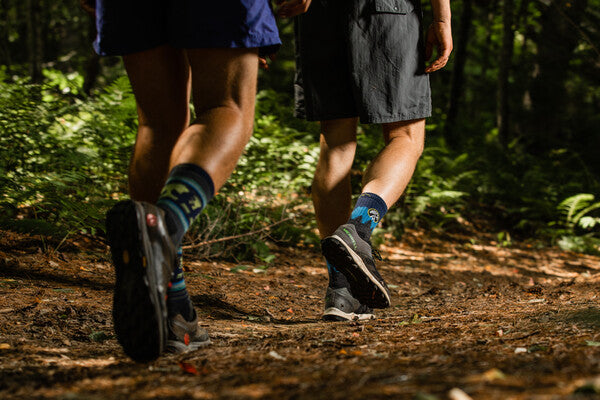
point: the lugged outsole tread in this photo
(134, 315)
(362, 287)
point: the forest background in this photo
(514, 138)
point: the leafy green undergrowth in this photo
(64, 160)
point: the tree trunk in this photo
(490, 9)
(505, 62)
(458, 73)
(5, 27)
(34, 48)
(557, 41)
(523, 26)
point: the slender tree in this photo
(458, 73)
(34, 48)
(505, 63)
(556, 43)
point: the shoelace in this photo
(376, 254)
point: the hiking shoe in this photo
(340, 305)
(185, 335)
(143, 254)
(353, 257)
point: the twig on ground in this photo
(224, 239)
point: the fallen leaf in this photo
(425, 396)
(457, 394)
(520, 350)
(63, 290)
(276, 355)
(188, 368)
(493, 374)
(99, 336)
(4, 346)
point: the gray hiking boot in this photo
(353, 257)
(185, 335)
(340, 305)
(143, 254)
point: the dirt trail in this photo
(497, 323)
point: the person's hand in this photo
(291, 8)
(439, 35)
(263, 63)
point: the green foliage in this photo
(436, 196)
(64, 156)
(268, 185)
(279, 158)
(576, 211)
(61, 157)
(578, 224)
(64, 162)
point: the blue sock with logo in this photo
(178, 298)
(367, 213)
(187, 191)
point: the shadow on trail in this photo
(217, 308)
(20, 271)
(35, 377)
(583, 318)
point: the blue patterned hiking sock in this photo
(368, 211)
(336, 278)
(187, 191)
(178, 298)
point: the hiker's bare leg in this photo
(223, 92)
(160, 79)
(331, 192)
(389, 173)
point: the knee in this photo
(418, 144)
(409, 134)
(339, 156)
(230, 116)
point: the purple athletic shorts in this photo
(130, 26)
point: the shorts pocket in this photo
(393, 6)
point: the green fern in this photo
(575, 210)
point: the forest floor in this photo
(468, 318)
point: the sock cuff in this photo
(372, 200)
(198, 174)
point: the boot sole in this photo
(139, 311)
(365, 287)
(335, 314)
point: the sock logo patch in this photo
(374, 214)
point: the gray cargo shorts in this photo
(361, 58)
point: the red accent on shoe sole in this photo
(151, 220)
(186, 339)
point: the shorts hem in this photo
(384, 119)
(324, 117)
(370, 119)
(270, 43)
